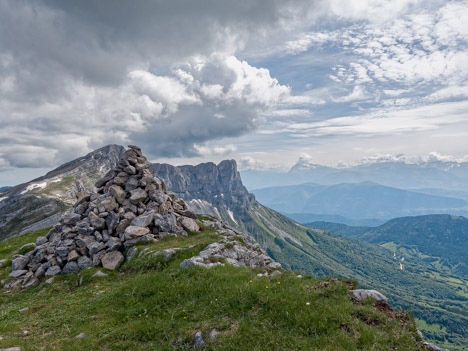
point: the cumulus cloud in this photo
(77, 75)
(205, 98)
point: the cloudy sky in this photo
(265, 82)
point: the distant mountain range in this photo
(365, 200)
(441, 240)
(431, 174)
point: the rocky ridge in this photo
(130, 206)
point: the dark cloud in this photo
(75, 75)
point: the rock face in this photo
(208, 188)
(130, 206)
(362, 294)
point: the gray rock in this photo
(198, 340)
(95, 247)
(133, 231)
(53, 271)
(71, 218)
(15, 348)
(19, 263)
(24, 310)
(62, 251)
(166, 223)
(112, 221)
(130, 170)
(138, 195)
(131, 253)
(18, 273)
(80, 336)
(118, 193)
(112, 260)
(49, 281)
(113, 244)
(2, 263)
(84, 262)
(107, 205)
(71, 267)
(144, 220)
(189, 224)
(97, 222)
(362, 294)
(132, 184)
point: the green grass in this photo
(430, 327)
(154, 305)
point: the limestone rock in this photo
(189, 224)
(112, 260)
(118, 193)
(133, 231)
(362, 294)
(19, 263)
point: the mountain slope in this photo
(152, 304)
(439, 239)
(357, 200)
(300, 248)
(39, 203)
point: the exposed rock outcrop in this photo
(208, 188)
(235, 248)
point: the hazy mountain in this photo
(312, 217)
(433, 173)
(441, 240)
(357, 200)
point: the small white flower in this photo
(307, 303)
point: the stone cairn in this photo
(131, 205)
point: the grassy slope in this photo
(154, 305)
(436, 301)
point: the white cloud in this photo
(206, 98)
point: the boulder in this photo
(138, 195)
(19, 263)
(134, 231)
(112, 260)
(118, 193)
(189, 224)
(97, 222)
(362, 294)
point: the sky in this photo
(265, 82)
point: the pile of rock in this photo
(131, 205)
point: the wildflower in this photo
(266, 287)
(35, 323)
(250, 281)
(183, 310)
(185, 317)
(279, 283)
(307, 303)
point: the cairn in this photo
(130, 206)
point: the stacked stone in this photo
(131, 205)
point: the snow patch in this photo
(34, 186)
(231, 215)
